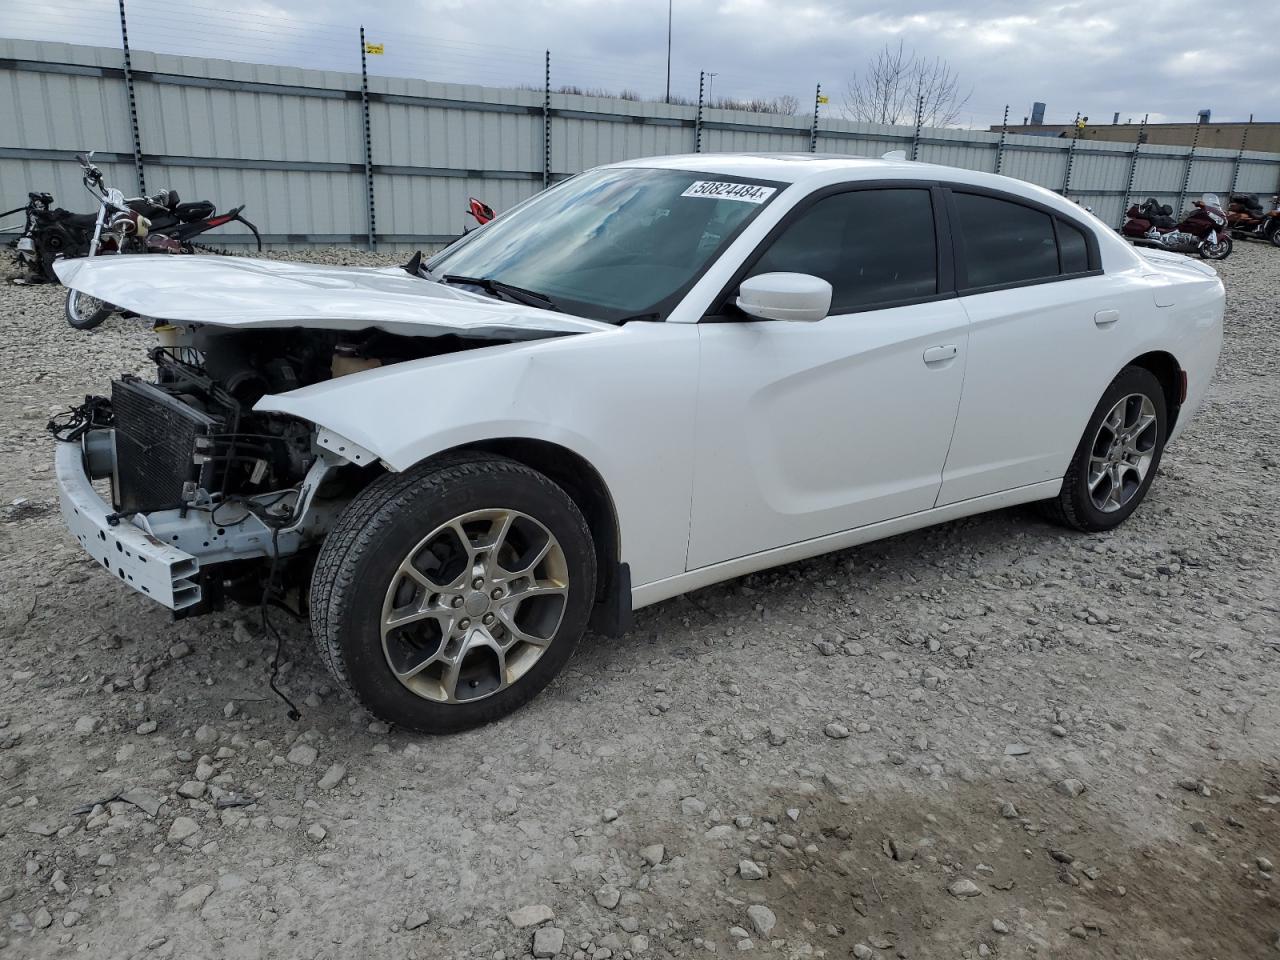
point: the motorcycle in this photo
(1202, 230)
(1250, 221)
(480, 211)
(157, 224)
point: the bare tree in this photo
(787, 103)
(887, 92)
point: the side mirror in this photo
(785, 296)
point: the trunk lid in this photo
(248, 293)
(1177, 264)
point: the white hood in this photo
(240, 292)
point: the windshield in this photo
(611, 244)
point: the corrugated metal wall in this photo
(289, 144)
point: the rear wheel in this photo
(85, 312)
(1275, 232)
(1117, 457)
(450, 595)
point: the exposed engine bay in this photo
(191, 462)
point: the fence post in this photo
(1186, 174)
(368, 142)
(1235, 173)
(1071, 154)
(915, 137)
(133, 103)
(813, 131)
(697, 122)
(546, 123)
(1004, 133)
(1133, 169)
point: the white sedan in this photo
(654, 376)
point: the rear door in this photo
(1045, 327)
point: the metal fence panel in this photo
(289, 143)
(1046, 167)
(1259, 175)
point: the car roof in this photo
(783, 167)
(822, 169)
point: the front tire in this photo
(448, 596)
(1117, 457)
(85, 312)
(1216, 251)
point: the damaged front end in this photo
(183, 491)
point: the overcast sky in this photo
(1168, 58)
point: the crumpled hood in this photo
(247, 293)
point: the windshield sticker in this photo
(722, 190)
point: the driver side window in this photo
(875, 247)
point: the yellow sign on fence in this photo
(374, 48)
(824, 99)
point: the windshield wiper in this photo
(498, 288)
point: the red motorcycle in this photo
(1203, 230)
(480, 210)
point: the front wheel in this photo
(1216, 251)
(1117, 457)
(85, 312)
(448, 596)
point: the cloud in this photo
(1092, 56)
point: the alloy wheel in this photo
(1122, 453)
(474, 605)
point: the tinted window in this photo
(872, 246)
(1004, 242)
(1072, 248)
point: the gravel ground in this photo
(993, 738)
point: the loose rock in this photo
(548, 942)
(530, 916)
(762, 918)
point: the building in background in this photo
(1263, 136)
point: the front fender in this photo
(407, 412)
(623, 400)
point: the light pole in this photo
(668, 97)
(711, 80)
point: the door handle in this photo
(938, 354)
(1104, 318)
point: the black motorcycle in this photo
(158, 224)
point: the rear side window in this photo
(873, 247)
(1004, 242)
(1072, 248)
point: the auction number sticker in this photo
(723, 190)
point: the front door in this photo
(808, 429)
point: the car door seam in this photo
(964, 373)
(693, 453)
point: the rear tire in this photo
(1275, 235)
(85, 312)
(1116, 460)
(435, 633)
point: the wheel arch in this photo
(1165, 368)
(585, 485)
